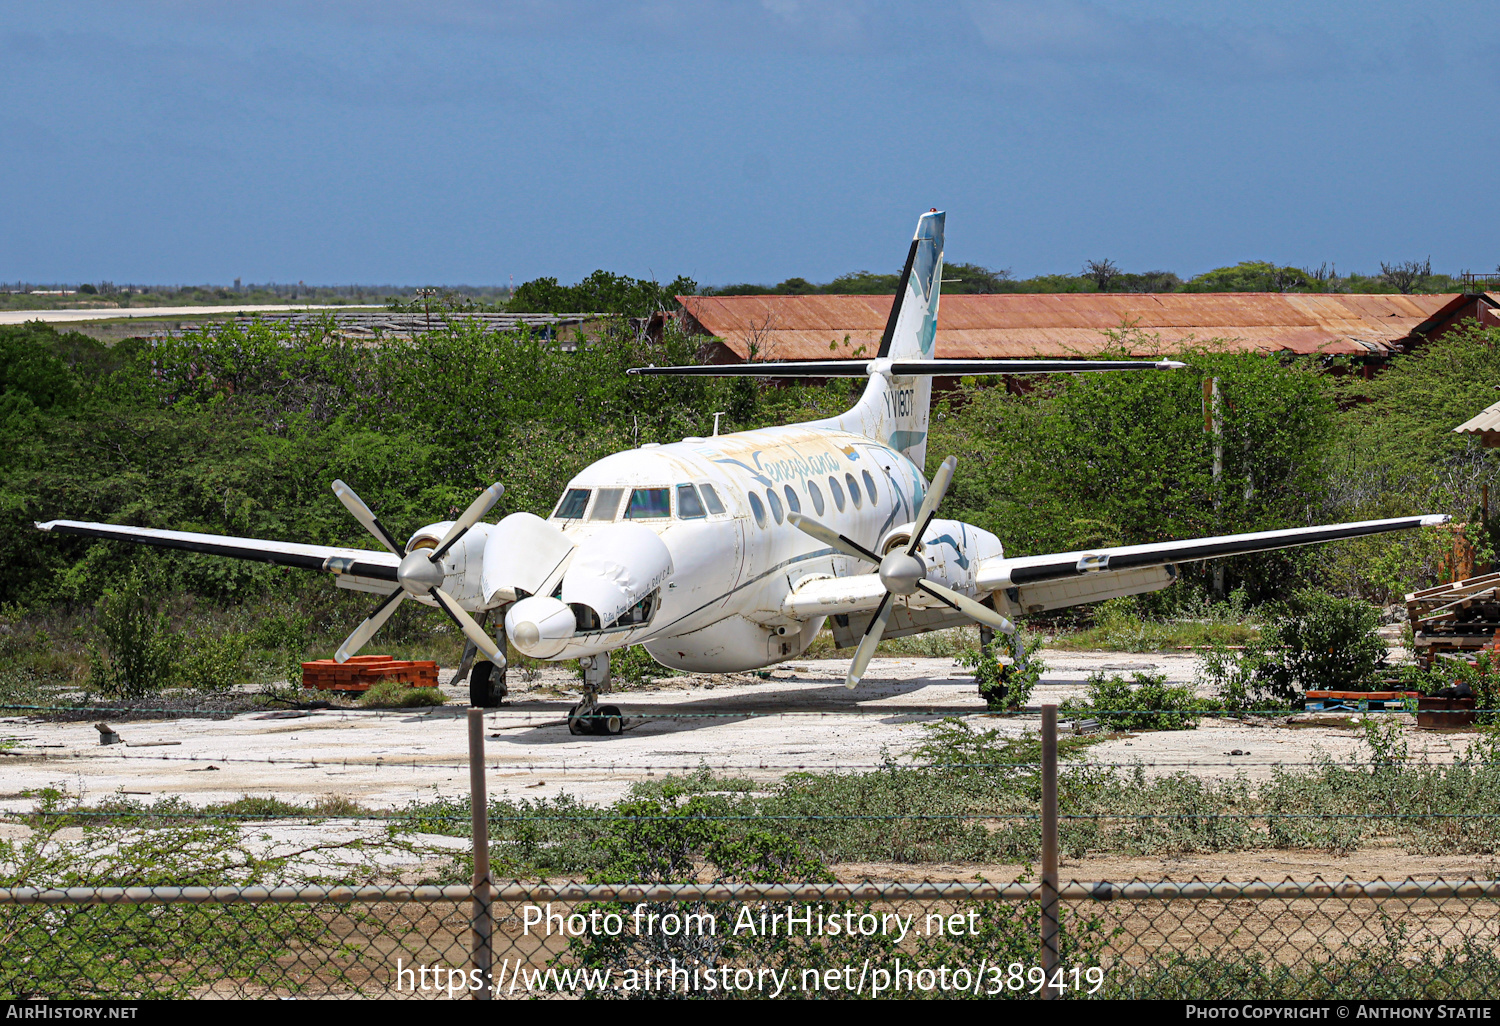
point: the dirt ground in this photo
(801, 718)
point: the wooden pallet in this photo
(1360, 701)
(360, 673)
(1454, 619)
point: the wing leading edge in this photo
(996, 574)
(362, 563)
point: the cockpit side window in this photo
(572, 504)
(688, 505)
(711, 499)
(607, 504)
(649, 503)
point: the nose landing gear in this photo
(588, 716)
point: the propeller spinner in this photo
(420, 573)
(903, 573)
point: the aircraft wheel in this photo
(486, 687)
(609, 720)
(579, 725)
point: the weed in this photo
(398, 694)
(1145, 702)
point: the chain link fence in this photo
(1349, 940)
(1436, 938)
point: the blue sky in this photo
(466, 142)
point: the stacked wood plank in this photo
(1456, 619)
(360, 673)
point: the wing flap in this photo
(360, 563)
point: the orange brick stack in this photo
(362, 671)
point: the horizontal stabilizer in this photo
(907, 368)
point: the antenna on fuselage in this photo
(716, 422)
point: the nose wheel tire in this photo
(603, 721)
(608, 720)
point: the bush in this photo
(142, 650)
(1321, 643)
(1145, 702)
(1006, 686)
(398, 694)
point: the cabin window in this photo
(775, 504)
(711, 499)
(758, 508)
(688, 505)
(853, 490)
(817, 497)
(572, 504)
(870, 488)
(649, 503)
(607, 504)
(838, 493)
(792, 502)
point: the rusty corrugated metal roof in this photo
(1060, 325)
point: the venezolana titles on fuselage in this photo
(720, 507)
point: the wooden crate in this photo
(361, 672)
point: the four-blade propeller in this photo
(420, 573)
(903, 573)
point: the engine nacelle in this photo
(523, 551)
(951, 551)
(462, 564)
(540, 627)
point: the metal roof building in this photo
(1064, 325)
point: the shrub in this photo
(397, 694)
(1006, 686)
(1318, 642)
(1145, 702)
(142, 648)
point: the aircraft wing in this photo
(1001, 572)
(363, 564)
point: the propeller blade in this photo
(828, 536)
(967, 606)
(467, 662)
(871, 641)
(940, 482)
(471, 516)
(355, 505)
(472, 630)
(365, 631)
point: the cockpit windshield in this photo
(572, 504)
(649, 503)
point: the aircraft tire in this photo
(609, 720)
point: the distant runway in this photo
(158, 312)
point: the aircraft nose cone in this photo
(540, 627)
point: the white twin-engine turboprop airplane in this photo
(729, 553)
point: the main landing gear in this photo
(588, 716)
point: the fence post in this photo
(483, 919)
(1049, 849)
